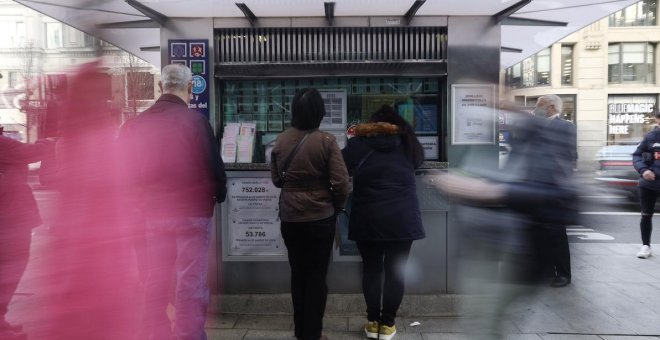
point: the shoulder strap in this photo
(293, 153)
(364, 158)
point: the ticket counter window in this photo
(255, 112)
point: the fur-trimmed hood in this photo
(376, 129)
(380, 135)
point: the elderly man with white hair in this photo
(176, 175)
(565, 149)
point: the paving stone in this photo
(225, 334)
(569, 337)
(335, 323)
(619, 337)
(221, 321)
(269, 335)
(264, 322)
(445, 336)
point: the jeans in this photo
(392, 257)
(14, 255)
(647, 198)
(309, 246)
(177, 246)
(557, 250)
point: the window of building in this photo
(631, 63)
(139, 86)
(567, 65)
(13, 79)
(20, 35)
(543, 67)
(639, 14)
(630, 117)
(528, 72)
(90, 41)
(532, 71)
(53, 35)
(56, 86)
(569, 105)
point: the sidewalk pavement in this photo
(614, 296)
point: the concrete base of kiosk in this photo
(338, 304)
(427, 266)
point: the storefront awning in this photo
(134, 25)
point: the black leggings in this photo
(309, 246)
(647, 198)
(390, 257)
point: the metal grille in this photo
(330, 44)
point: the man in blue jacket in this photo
(646, 160)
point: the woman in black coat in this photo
(385, 217)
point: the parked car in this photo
(615, 169)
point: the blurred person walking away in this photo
(18, 215)
(646, 160)
(502, 217)
(564, 148)
(179, 177)
(307, 164)
(385, 217)
(90, 278)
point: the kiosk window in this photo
(262, 109)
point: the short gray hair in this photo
(554, 100)
(175, 77)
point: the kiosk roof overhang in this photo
(133, 25)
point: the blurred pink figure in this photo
(91, 282)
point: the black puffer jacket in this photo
(385, 205)
(650, 146)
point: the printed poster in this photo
(253, 218)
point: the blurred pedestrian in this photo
(564, 149)
(385, 217)
(503, 216)
(90, 278)
(18, 215)
(307, 164)
(175, 167)
(646, 160)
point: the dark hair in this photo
(307, 109)
(411, 145)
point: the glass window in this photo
(528, 72)
(13, 79)
(631, 63)
(629, 118)
(543, 67)
(266, 105)
(90, 41)
(569, 105)
(6, 39)
(53, 35)
(567, 65)
(20, 34)
(639, 14)
(516, 75)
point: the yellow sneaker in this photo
(371, 329)
(386, 332)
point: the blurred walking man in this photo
(564, 149)
(176, 166)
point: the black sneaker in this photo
(560, 281)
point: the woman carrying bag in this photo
(307, 164)
(385, 217)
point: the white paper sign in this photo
(473, 114)
(431, 146)
(253, 218)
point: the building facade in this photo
(37, 55)
(606, 74)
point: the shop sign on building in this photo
(629, 117)
(195, 55)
